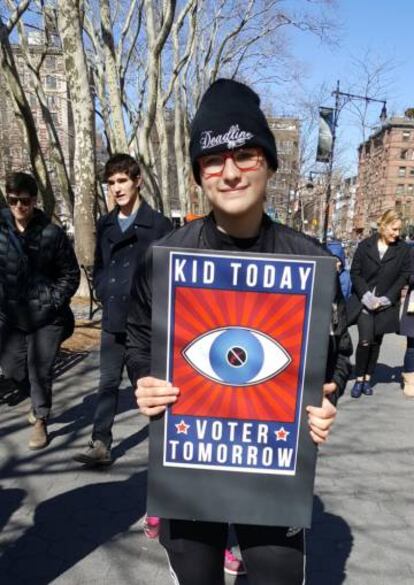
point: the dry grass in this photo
(86, 336)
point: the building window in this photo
(51, 102)
(401, 171)
(410, 189)
(406, 135)
(51, 82)
(404, 154)
(399, 190)
(55, 118)
(284, 165)
(50, 62)
(286, 147)
(412, 172)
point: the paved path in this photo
(62, 524)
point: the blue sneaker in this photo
(367, 388)
(357, 389)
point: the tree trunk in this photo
(83, 117)
(113, 80)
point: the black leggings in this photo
(272, 555)
(369, 344)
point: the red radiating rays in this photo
(199, 311)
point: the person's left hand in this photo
(321, 418)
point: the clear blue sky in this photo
(385, 28)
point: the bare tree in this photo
(22, 107)
(70, 29)
(55, 152)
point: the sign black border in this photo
(221, 496)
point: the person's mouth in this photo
(234, 189)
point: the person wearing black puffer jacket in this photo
(39, 274)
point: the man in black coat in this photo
(39, 274)
(123, 237)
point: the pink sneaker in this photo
(233, 565)
(151, 526)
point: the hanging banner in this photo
(245, 338)
(326, 128)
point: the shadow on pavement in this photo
(130, 442)
(329, 544)
(68, 527)
(384, 374)
(81, 415)
(10, 501)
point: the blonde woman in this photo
(380, 269)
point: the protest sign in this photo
(245, 339)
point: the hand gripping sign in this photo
(245, 339)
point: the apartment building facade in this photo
(283, 186)
(14, 151)
(386, 176)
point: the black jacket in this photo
(407, 319)
(39, 273)
(118, 257)
(277, 238)
(387, 276)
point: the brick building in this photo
(14, 154)
(386, 176)
(343, 207)
(284, 183)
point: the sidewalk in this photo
(63, 524)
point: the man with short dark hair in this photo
(123, 237)
(39, 274)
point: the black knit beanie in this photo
(229, 116)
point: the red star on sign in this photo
(182, 427)
(282, 434)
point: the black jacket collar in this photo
(392, 251)
(143, 218)
(38, 220)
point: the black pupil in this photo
(236, 356)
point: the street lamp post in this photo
(341, 99)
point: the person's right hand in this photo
(370, 301)
(154, 395)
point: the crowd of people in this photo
(233, 156)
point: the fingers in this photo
(320, 420)
(154, 395)
(329, 388)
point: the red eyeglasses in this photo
(245, 159)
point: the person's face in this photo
(391, 231)
(234, 191)
(21, 206)
(123, 189)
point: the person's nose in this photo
(230, 170)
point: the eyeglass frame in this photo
(230, 154)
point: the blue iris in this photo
(236, 356)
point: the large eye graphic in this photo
(236, 356)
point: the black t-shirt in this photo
(220, 241)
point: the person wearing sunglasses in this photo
(233, 156)
(39, 274)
